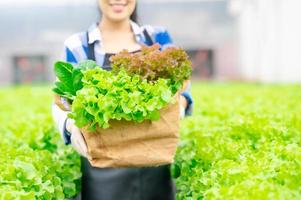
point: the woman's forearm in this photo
(60, 117)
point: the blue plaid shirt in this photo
(76, 50)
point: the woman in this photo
(116, 31)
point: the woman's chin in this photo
(118, 17)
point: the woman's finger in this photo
(82, 141)
(182, 112)
(79, 141)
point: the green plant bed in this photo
(243, 142)
(35, 164)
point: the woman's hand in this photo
(77, 140)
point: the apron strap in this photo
(91, 53)
(148, 38)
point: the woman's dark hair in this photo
(134, 16)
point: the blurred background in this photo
(240, 40)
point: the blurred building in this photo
(269, 33)
(252, 40)
(32, 34)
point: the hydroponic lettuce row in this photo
(34, 162)
(243, 146)
(136, 89)
(243, 142)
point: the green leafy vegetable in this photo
(87, 64)
(108, 96)
(152, 64)
(70, 78)
(63, 72)
(135, 90)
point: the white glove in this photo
(77, 140)
(182, 105)
(182, 111)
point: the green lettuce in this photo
(108, 96)
(70, 77)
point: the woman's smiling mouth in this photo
(117, 7)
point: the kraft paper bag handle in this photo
(59, 103)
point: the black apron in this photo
(152, 183)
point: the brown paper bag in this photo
(129, 144)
